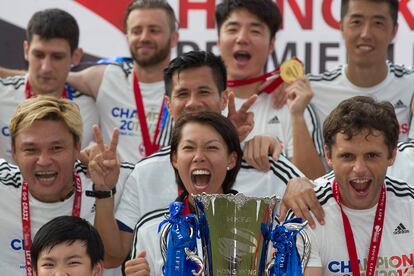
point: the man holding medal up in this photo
(368, 215)
(246, 37)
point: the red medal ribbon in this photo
(375, 236)
(25, 212)
(150, 147)
(235, 83)
(269, 88)
(29, 93)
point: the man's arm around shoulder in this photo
(89, 80)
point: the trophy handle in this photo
(306, 241)
(306, 246)
(270, 265)
(164, 242)
(190, 255)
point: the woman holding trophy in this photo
(209, 229)
(206, 156)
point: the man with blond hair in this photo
(48, 180)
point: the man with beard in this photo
(129, 94)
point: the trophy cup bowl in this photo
(231, 232)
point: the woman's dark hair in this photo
(224, 127)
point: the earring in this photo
(228, 168)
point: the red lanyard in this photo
(29, 93)
(375, 236)
(150, 147)
(268, 89)
(25, 210)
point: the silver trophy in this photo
(231, 231)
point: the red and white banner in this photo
(310, 29)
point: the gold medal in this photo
(291, 70)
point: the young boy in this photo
(70, 245)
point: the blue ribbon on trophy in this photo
(204, 234)
(181, 248)
(287, 260)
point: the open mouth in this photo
(46, 177)
(200, 179)
(361, 186)
(242, 57)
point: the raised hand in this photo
(242, 119)
(299, 96)
(104, 166)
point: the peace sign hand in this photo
(242, 119)
(104, 166)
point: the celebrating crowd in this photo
(83, 191)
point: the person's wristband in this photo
(101, 194)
